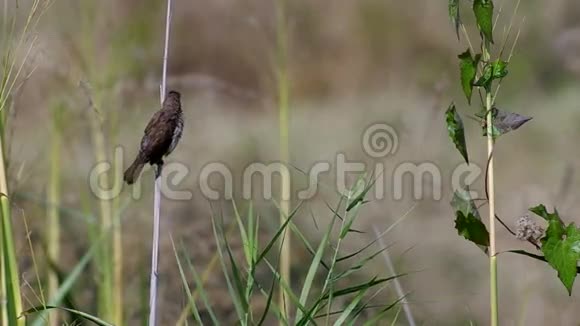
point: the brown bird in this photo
(161, 136)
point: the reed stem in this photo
(283, 109)
(157, 196)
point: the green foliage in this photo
(468, 69)
(456, 130)
(541, 211)
(312, 301)
(483, 10)
(561, 246)
(462, 202)
(471, 228)
(454, 15)
(467, 219)
(492, 71)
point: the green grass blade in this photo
(278, 234)
(237, 276)
(268, 301)
(200, 288)
(289, 291)
(382, 313)
(356, 288)
(359, 265)
(245, 240)
(281, 317)
(190, 298)
(78, 313)
(307, 244)
(316, 262)
(360, 198)
(69, 281)
(349, 309)
(231, 290)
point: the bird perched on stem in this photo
(161, 136)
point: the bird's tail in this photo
(133, 172)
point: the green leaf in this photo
(563, 253)
(541, 211)
(468, 69)
(456, 131)
(486, 78)
(483, 10)
(471, 228)
(561, 246)
(492, 71)
(467, 219)
(462, 202)
(454, 15)
(499, 68)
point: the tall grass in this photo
(53, 199)
(322, 297)
(283, 98)
(16, 50)
(104, 263)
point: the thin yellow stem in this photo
(53, 229)
(283, 108)
(491, 192)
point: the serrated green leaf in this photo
(467, 219)
(486, 78)
(492, 71)
(560, 245)
(471, 228)
(463, 202)
(483, 10)
(499, 69)
(454, 15)
(563, 252)
(541, 211)
(468, 70)
(456, 131)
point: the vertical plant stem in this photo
(117, 256)
(10, 272)
(104, 266)
(3, 253)
(283, 108)
(154, 255)
(491, 192)
(53, 229)
(157, 196)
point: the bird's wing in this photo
(153, 121)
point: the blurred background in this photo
(94, 83)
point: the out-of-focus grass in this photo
(17, 46)
(53, 231)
